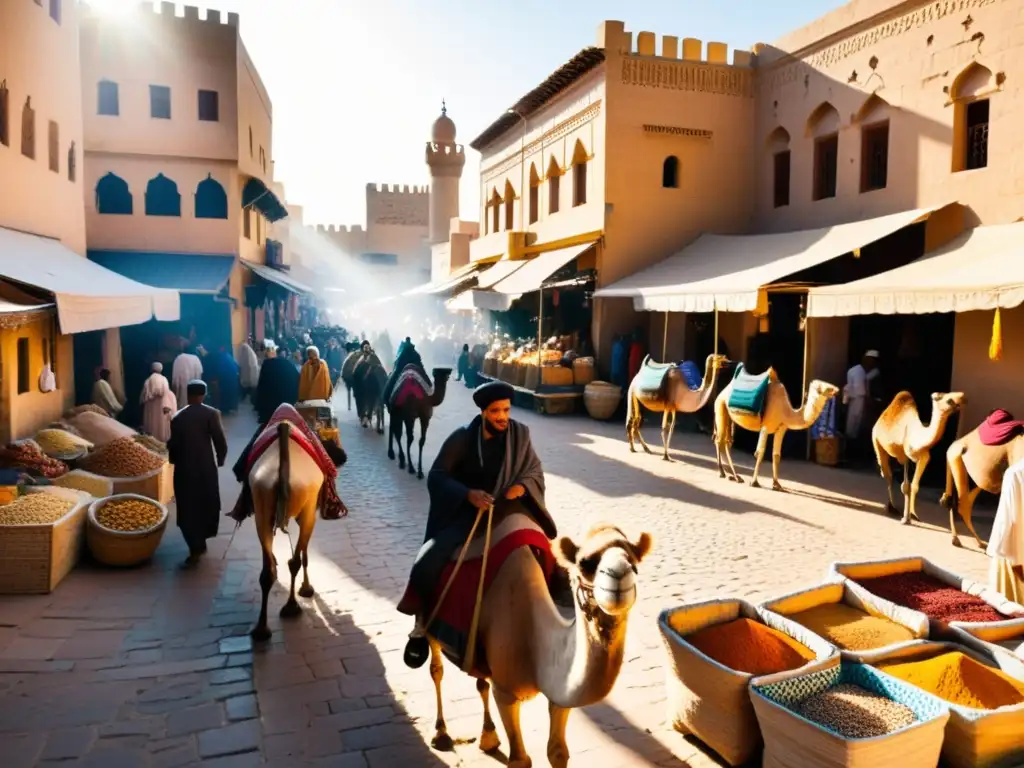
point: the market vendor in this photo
(104, 396)
(1006, 544)
(492, 458)
(315, 378)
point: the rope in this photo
(467, 665)
(458, 565)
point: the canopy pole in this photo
(807, 357)
(664, 341)
(716, 330)
(540, 328)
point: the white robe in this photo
(248, 366)
(158, 407)
(186, 368)
(855, 397)
(1006, 544)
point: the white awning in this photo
(981, 269)
(458, 277)
(88, 296)
(727, 272)
(461, 303)
(533, 273)
(277, 276)
(498, 272)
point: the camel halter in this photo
(474, 626)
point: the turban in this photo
(491, 392)
(195, 388)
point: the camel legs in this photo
(915, 486)
(489, 740)
(307, 521)
(723, 440)
(777, 458)
(558, 750)
(424, 423)
(299, 557)
(441, 741)
(379, 410)
(633, 426)
(905, 490)
(410, 434)
(762, 446)
(961, 500)
(348, 389)
(668, 426)
(261, 632)
(508, 708)
(885, 467)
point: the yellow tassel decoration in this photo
(995, 347)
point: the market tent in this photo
(533, 273)
(88, 296)
(461, 275)
(730, 272)
(981, 269)
(277, 277)
(498, 272)
(198, 273)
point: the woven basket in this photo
(939, 629)
(582, 371)
(975, 738)
(34, 559)
(157, 485)
(121, 548)
(856, 597)
(80, 480)
(792, 741)
(709, 700)
(602, 399)
(556, 376)
(826, 451)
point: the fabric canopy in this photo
(498, 272)
(278, 278)
(728, 272)
(981, 269)
(454, 280)
(88, 297)
(257, 194)
(184, 272)
(533, 273)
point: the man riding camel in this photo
(489, 461)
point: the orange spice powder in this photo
(748, 646)
(959, 679)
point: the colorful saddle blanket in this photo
(452, 624)
(692, 375)
(651, 376)
(410, 382)
(749, 393)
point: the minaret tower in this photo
(445, 159)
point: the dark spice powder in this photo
(931, 597)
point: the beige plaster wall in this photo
(39, 60)
(905, 67)
(255, 114)
(988, 384)
(27, 412)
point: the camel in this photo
(416, 406)
(776, 418)
(968, 459)
(532, 649)
(672, 396)
(285, 485)
(348, 368)
(368, 382)
(900, 434)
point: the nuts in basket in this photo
(58, 442)
(128, 515)
(35, 509)
(122, 457)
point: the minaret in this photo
(445, 159)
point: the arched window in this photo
(28, 129)
(579, 174)
(778, 149)
(72, 163)
(534, 194)
(113, 196)
(971, 93)
(162, 197)
(510, 207)
(670, 172)
(873, 118)
(823, 127)
(211, 199)
(495, 207)
(5, 115)
(554, 190)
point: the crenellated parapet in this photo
(396, 189)
(340, 229)
(445, 159)
(176, 13)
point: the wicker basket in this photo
(80, 480)
(792, 741)
(120, 548)
(555, 405)
(555, 376)
(157, 485)
(602, 399)
(35, 558)
(583, 371)
(826, 451)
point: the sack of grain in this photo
(59, 444)
(122, 458)
(99, 430)
(807, 723)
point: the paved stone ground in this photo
(152, 667)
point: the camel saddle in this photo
(452, 624)
(999, 428)
(411, 382)
(650, 379)
(749, 393)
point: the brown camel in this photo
(368, 382)
(900, 434)
(416, 406)
(671, 397)
(532, 649)
(777, 418)
(348, 369)
(968, 459)
(285, 485)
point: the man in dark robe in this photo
(196, 449)
(278, 383)
(407, 355)
(489, 461)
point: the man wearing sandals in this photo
(489, 461)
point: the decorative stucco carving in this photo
(686, 76)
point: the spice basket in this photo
(975, 738)
(35, 558)
(123, 548)
(582, 371)
(939, 629)
(793, 741)
(601, 399)
(856, 597)
(710, 700)
(988, 638)
(157, 485)
(826, 451)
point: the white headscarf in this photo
(156, 385)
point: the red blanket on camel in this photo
(331, 506)
(451, 625)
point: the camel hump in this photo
(772, 375)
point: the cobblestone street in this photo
(154, 667)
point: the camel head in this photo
(603, 568)
(718, 362)
(441, 374)
(948, 402)
(821, 391)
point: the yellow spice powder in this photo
(850, 628)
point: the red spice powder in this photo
(931, 597)
(749, 646)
